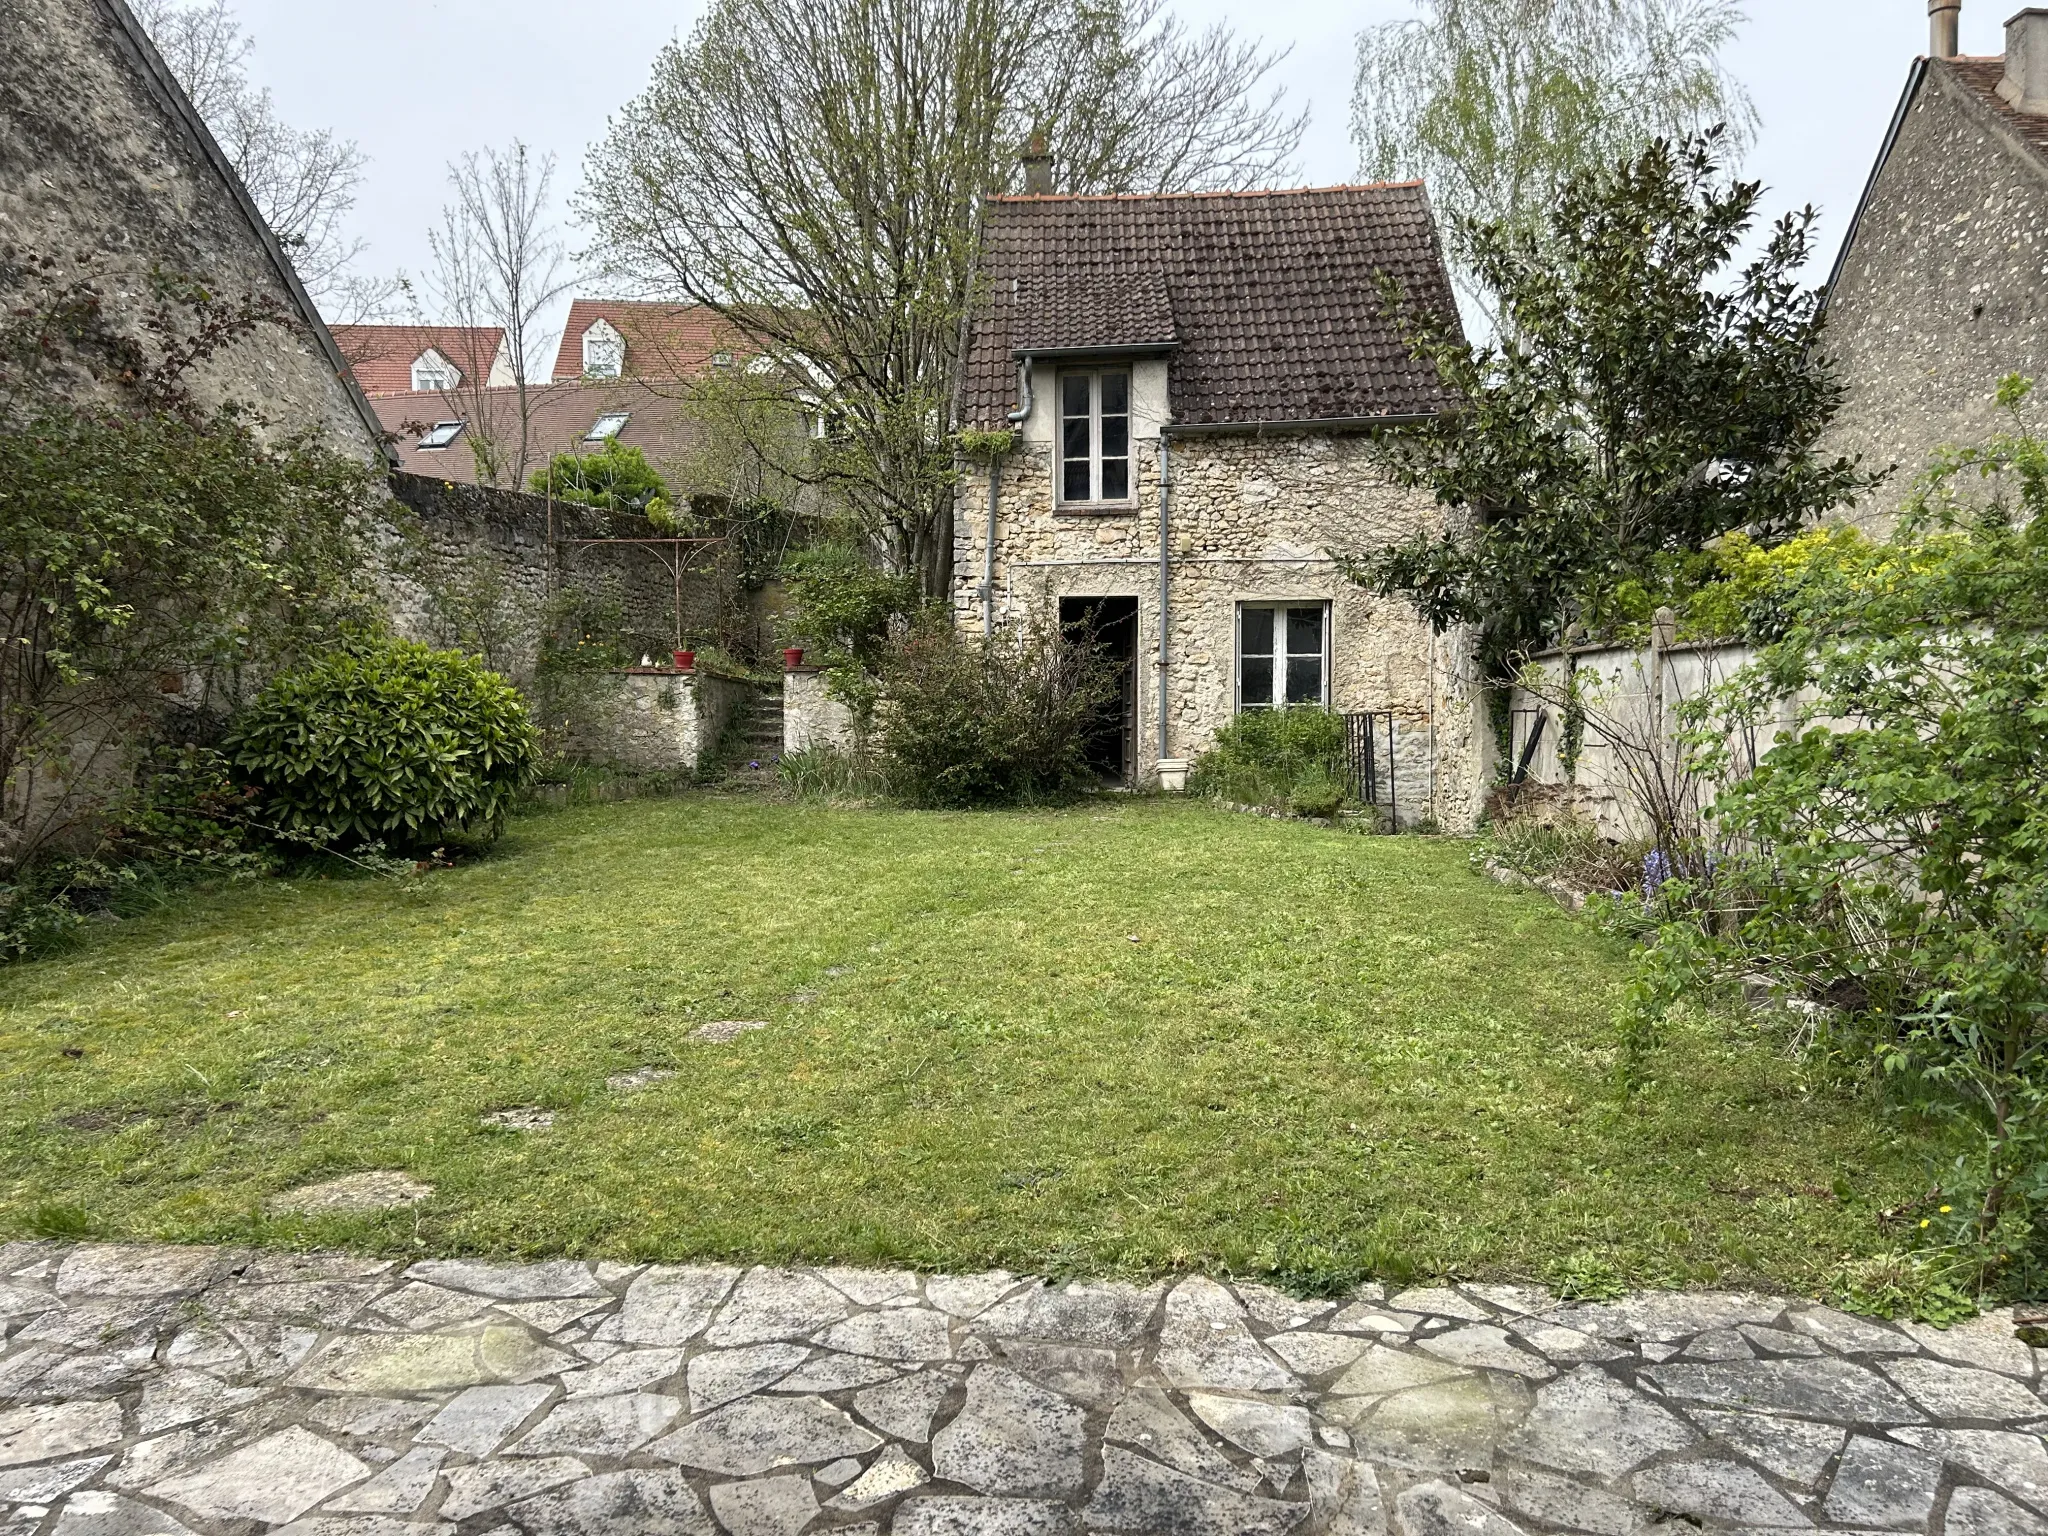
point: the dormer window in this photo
(441, 434)
(432, 371)
(604, 351)
(1095, 437)
(607, 426)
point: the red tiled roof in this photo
(1273, 297)
(562, 416)
(1982, 77)
(663, 341)
(381, 356)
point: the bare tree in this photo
(814, 171)
(499, 262)
(302, 180)
(1498, 103)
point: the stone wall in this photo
(1944, 290)
(103, 170)
(657, 720)
(811, 717)
(472, 564)
(1252, 518)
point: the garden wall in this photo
(656, 719)
(811, 717)
(474, 568)
(1635, 700)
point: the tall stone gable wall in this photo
(1252, 518)
(1944, 291)
(98, 172)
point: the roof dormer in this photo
(604, 351)
(431, 372)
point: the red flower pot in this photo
(792, 658)
(686, 661)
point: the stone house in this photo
(1941, 288)
(1194, 382)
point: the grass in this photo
(1129, 1037)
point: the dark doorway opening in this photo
(1110, 624)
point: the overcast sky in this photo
(415, 82)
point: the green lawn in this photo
(1128, 1037)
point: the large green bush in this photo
(1273, 757)
(965, 721)
(389, 742)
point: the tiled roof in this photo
(1982, 77)
(1274, 297)
(663, 341)
(563, 415)
(1120, 310)
(381, 356)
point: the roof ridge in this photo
(1161, 197)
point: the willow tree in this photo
(1498, 104)
(813, 168)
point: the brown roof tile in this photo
(663, 341)
(381, 356)
(1273, 298)
(1982, 77)
(562, 416)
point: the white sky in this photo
(415, 82)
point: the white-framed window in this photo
(1283, 654)
(441, 434)
(1095, 437)
(432, 371)
(604, 351)
(607, 426)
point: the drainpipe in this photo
(1015, 418)
(1165, 520)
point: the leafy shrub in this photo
(1317, 794)
(390, 741)
(1001, 721)
(843, 610)
(1893, 845)
(617, 478)
(1262, 756)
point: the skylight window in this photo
(442, 433)
(608, 426)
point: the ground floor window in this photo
(1282, 654)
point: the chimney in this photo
(1944, 25)
(2025, 86)
(1037, 163)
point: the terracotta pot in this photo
(686, 661)
(792, 658)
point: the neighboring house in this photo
(627, 339)
(435, 433)
(1941, 289)
(1196, 380)
(106, 169)
(418, 359)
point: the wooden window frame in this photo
(1096, 501)
(1278, 607)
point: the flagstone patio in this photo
(161, 1391)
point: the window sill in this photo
(1096, 509)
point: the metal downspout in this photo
(1015, 418)
(1165, 513)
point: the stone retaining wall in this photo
(811, 717)
(655, 719)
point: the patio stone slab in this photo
(198, 1392)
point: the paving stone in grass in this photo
(376, 1190)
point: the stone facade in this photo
(1943, 286)
(1251, 518)
(811, 717)
(109, 172)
